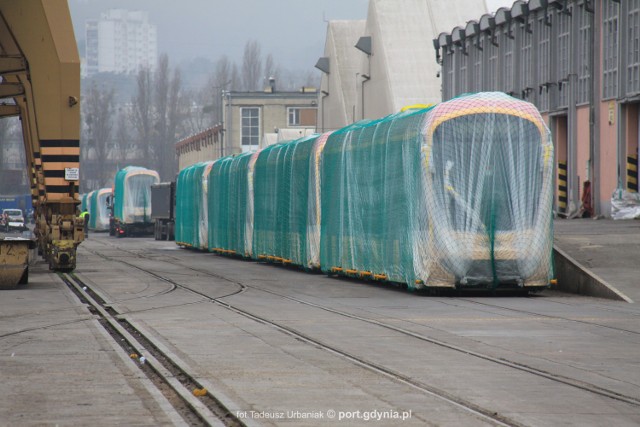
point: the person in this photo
(85, 217)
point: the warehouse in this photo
(543, 52)
(389, 64)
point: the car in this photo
(13, 219)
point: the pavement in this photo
(60, 368)
(607, 248)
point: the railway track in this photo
(242, 287)
(188, 397)
(484, 414)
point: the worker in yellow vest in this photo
(85, 217)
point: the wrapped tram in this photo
(458, 195)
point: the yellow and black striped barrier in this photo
(562, 186)
(632, 173)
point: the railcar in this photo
(132, 201)
(192, 210)
(458, 195)
(99, 210)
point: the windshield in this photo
(488, 171)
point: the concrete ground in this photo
(546, 360)
(608, 248)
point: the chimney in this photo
(272, 84)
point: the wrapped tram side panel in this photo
(132, 201)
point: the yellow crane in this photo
(40, 70)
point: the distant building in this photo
(579, 62)
(252, 121)
(376, 68)
(249, 116)
(201, 147)
(121, 41)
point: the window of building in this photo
(463, 77)
(584, 47)
(294, 116)
(507, 46)
(544, 62)
(449, 65)
(562, 63)
(527, 65)
(477, 50)
(301, 116)
(494, 72)
(633, 48)
(250, 125)
(610, 51)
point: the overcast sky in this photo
(292, 30)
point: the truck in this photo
(163, 205)
(18, 201)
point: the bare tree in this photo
(177, 109)
(161, 105)
(142, 117)
(270, 69)
(123, 137)
(251, 66)
(236, 82)
(98, 109)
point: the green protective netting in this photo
(314, 201)
(281, 202)
(191, 227)
(457, 194)
(132, 198)
(231, 204)
(98, 211)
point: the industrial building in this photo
(578, 61)
(249, 117)
(374, 70)
(251, 121)
(121, 41)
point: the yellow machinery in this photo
(40, 70)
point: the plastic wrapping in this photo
(98, 211)
(132, 198)
(83, 202)
(231, 204)
(455, 195)
(625, 205)
(281, 198)
(314, 203)
(192, 223)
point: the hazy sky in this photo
(292, 30)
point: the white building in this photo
(121, 41)
(340, 65)
(393, 57)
